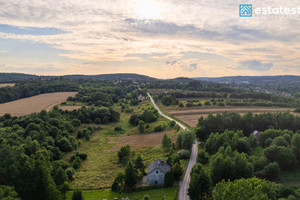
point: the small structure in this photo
(141, 98)
(156, 172)
(255, 133)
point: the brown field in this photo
(6, 85)
(190, 116)
(140, 140)
(69, 108)
(34, 104)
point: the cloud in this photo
(254, 65)
(4, 28)
(185, 66)
(171, 62)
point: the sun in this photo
(147, 9)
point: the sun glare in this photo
(147, 9)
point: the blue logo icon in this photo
(245, 10)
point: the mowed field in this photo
(6, 85)
(34, 104)
(190, 116)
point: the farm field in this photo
(190, 116)
(6, 85)
(34, 104)
(168, 193)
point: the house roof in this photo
(159, 164)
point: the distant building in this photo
(141, 98)
(255, 133)
(156, 172)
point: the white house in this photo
(156, 172)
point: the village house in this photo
(141, 98)
(156, 172)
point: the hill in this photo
(250, 79)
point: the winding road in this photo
(184, 184)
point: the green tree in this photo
(124, 154)
(166, 142)
(252, 188)
(130, 177)
(141, 126)
(202, 157)
(199, 186)
(8, 193)
(177, 171)
(169, 179)
(119, 183)
(77, 195)
(185, 139)
(296, 145)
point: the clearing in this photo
(190, 116)
(7, 85)
(141, 140)
(34, 104)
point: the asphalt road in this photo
(184, 184)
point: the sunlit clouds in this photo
(164, 39)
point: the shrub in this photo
(146, 197)
(76, 163)
(221, 104)
(118, 128)
(77, 195)
(202, 157)
(207, 103)
(189, 105)
(159, 128)
(123, 154)
(184, 154)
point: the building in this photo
(141, 98)
(156, 172)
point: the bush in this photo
(184, 154)
(207, 103)
(76, 163)
(77, 195)
(146, 197)
(159, 128)
(118, 128)
(202, 157)
(123, 154)
(189, 105)
(181, 105)
(221, 104)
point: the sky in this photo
(158, 38)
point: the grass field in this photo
(6, 85)
(155, 194)
(34, 104)
(101, 166)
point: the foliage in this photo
(202, 157)
(77, 195)
(124, 154)
(177, 171)
(169, 179)
(229, 165)
(184, 154)
(166, 142)
(252, 188)
(130, 177)
(284, 156)
(8, 193)
(200, 184)
(185, 139)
